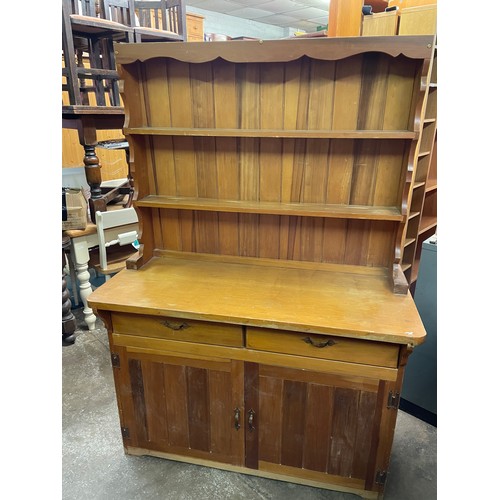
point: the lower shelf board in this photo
(272, 471)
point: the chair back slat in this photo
(118, 11)
(167, 15)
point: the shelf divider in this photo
(276, 133)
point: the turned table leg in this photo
(81, 258)
(68, 319)
(88, 139)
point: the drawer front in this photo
(170, 328)
(323, 346)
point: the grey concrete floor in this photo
(95, 466)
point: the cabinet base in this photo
(259, 473)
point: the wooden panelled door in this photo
(311, 424)
(183, 406)
(321, 427)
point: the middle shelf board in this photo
(277, 133)
(276, 208)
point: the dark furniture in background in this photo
(68, 319)
(90, 77)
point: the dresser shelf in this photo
(262, 207)
(295, 134)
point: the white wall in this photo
(232, 26)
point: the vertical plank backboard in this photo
(157, 91)
(165, 175)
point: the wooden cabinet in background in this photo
(419, 20)
(345, 17)
(381, 24)
(195, 30)
(266, 326)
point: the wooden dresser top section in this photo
(298, 298)
(328, 49)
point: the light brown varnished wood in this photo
(264, 207)
(358, 306)
(271, 227)
(175, 329)
(273, 133)
(325, 347)
(145, 345)
(265, 470)
(275, 50)
(184, 408)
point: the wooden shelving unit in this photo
(416, 17)
(423, 195)
(266, 326)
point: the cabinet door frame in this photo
(179, 404)
(365, 396)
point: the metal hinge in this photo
(393, 400)
(381, 477)
(115, 360)
(125, 432)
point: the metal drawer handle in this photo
(326, 343)
(175, 326)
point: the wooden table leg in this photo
(80, 255)
(87, 134)
(68, 319)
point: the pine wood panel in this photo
(361, 243)
(281, 171)
(321, 427)
(414, 47)
(272, 96)
(344, 18)
(293, 423)
(174, 377)
(177, 329)
(186, 406)
(361, 304)
(339, 348)
(380, 23)
(317, 424)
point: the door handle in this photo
(251, 419)
(237, 419)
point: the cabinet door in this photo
(312, 424)
(182, 406)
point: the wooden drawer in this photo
(323, 346)
(170, 328)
